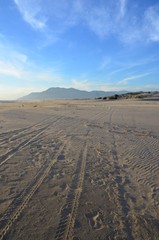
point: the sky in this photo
(84, 44)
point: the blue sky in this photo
(84, 44)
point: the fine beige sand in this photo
(80, 170)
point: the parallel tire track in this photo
(118, 179)
(19, 133)
(19, 204)
(4, 158)
(68, 213)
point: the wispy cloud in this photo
(141, 26)
(122, 4)
(126, 80)
(31, 12)
(19, 74)
(30, 74)
(105, 62)
(151, 21)
(10, 70)
(50, 18)
(13, 92)
(107, 18)
(19, 56)
(40, 75)
(122, 65)
(18, 65)
(88, 85)
(81, 84)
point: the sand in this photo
(80, 170)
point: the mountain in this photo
(67, 93)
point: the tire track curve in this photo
(19, 204)
(69, 210)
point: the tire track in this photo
(69, 210)
(122, 202)
(56, 134)
(19, 204)
(17, 134)
(119, 178)
(53, 133)
(4, 158)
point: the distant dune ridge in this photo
(68, 93)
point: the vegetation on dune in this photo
(131, 95)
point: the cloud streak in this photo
(151, 21)
(111, 86)
(31, 13)
(19, 75)
(32, 74)
(105, 19)
(126, 80)
(13, 92)
(10, 70)
(122, 4)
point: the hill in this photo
(67, 93)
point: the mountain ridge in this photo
(67, 93)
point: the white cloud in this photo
(16, 69)
(121, 65)
(50, 18)
(18, 65)
(49, 76)
(105, 62)
(81, 84)
(126, 80)
(151, 87)
(10, 70)
(151, 21)
(27, 75)
(54, 18)
(13, 92)
(110, 85)
(107, 18)
(32, 13)
(89, 85)
(19, 56)
(122, 7)
(98, 20)
(118, 19)
(140, 26)
(115, 87)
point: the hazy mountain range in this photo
(68, 93)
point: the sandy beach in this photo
(80, 170)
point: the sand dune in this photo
(79, 170)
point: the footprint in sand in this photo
(95, 220)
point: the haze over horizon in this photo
(83, 44)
